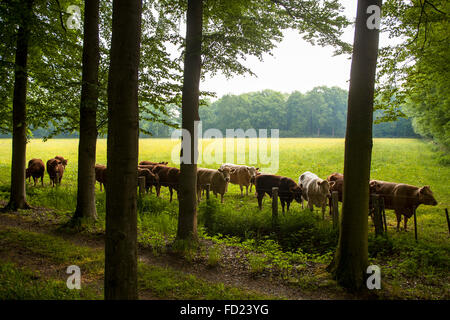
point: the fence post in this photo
(377, 218)
(381, 201)
(415, 225)
(208, 187)
(141, 184)
(275, 204)
(335, 209)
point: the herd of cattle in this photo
(402, 198)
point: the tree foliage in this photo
(414, 78)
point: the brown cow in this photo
(168, 177)
(151, 179)
(335, 176)
(217, 179)
(338, 186)
(288, 190)
(55, 170)
(63, 161)
(402, 198)
(100, 174)
(36, 169)
(241, 176)
(153, 163)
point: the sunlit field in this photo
(303, 233)
(400, 160)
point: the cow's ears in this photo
(257, 169)
(220, 170)
(332, 183)
(232, 170)
(300, 185)
(424, 188)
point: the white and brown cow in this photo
(314, 190)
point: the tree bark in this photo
(187, 219)
(88, 114)
(351, 259)
(19, 133)
(122, 152)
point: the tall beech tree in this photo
(351, 259)
(88, 115)
(187, 220)
(122, 152)
(19, 131)
(219, 33)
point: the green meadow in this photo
(303, 236)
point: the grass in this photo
(302, 235)
(20, 283)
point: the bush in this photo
(305, 230)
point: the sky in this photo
(295, 66)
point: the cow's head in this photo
(374, 186)
(296, 191)
(252, 171)
(324, 186)
(226, 172)
(333, 186)
(155, 178)
(426, 196)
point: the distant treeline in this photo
(321, 112)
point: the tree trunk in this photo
(122, 152)
(19, 133)
(187, 219)
(88, 114)
(351, 260)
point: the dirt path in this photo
(230, 271)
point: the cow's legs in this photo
(287, 205)
(246, 190)
(399, 219)
(171, 194)
(221, 198)
(260, 197)
(282, 205)
(406, 223)
(42, 180)
(310, 206)
(242, 189)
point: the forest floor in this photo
(20, 236)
